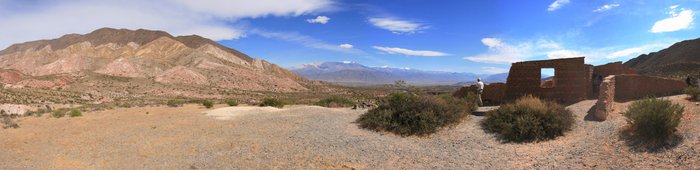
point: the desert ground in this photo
(312, 137)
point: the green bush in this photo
(653, 120)
(207, 103)
(471, 97)
(529, 119)
(75, 113)
(58, 113)
(693, 92)
(335, 101)
(407, 114)
(174, 103)
(232, 102)
(274, 102)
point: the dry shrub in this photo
(529, 119)
(58, 113)
(693, 92)
(175, 103)
(335, 101)
(207, 103)
(407, 114)
(274, 102)
(75, 113)
(653, 121)
(7, 121)
(232, 102)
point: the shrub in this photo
(174, 103)
(653, 120)
(335, 101)
(231, 102)
(208, 104)
(693, 92)
(471, 97)
(274, 102)
(407, 114)
(38, 113)
(58, 113)
(75, 113)
(7, 121)
(529, 119)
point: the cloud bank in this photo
(397, 26)
(395, 50)
(214, 19)
(677, 21)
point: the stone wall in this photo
(606, 99)
(571, 80)
(493, 93)
(631, 87)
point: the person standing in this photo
(698, 83)
(479, 90)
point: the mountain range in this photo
(355, 74)
(678, 60)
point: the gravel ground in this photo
(310, 137)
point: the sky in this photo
(481, 37)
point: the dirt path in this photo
(311, 137)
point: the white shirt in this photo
(480, 85)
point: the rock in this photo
(15, 109)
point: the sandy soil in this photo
(311, 137)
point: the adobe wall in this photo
(572, 80)
(630, 87)
(606, 99)
(616, 68)
(602, 71)
(493, 93)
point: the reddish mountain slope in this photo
(124, 62)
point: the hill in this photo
(109, 64)
(355, 74)
(678, 60)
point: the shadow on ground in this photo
(639, 144)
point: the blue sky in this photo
(446, 35)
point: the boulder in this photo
(15, 109)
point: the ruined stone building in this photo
(574, 81)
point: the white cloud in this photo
(254, 9)
(319, 19)
(636, 51)
(606, 7)
(557, 4)
(677, 21)
(494, 70)
(212, 19)
(397, 26)
(501, 52)
(345, 45)
(563, 54)
(394, 50)
(491, 42)
(304, 41)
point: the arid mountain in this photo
(677, 61)
(355, 74)
(120, 62)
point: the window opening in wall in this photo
(547, 78)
